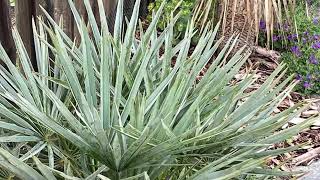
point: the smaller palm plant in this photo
(116, 108)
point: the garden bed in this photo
(309, 139)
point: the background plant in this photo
(300, 44)
(118, 109)
(212, 11)
(12, 2)
(185, 8)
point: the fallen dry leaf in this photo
(276, 110)
(309, 113)
(297, 120)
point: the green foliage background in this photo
(185, 8)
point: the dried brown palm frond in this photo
(245, 17)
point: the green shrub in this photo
(118, 109)
(184, 7)
(12, 2)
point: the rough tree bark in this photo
(5, 30)
(45, 4)
(63, 14)
(25, 10)
(83, 13)
(111, 8)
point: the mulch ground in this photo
(309, 139)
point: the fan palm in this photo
(116, 108)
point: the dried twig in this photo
(260, 51)
(307, 156)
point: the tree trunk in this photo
(5, 30)
(111, 9)
(83, 13)
(63, 15)
(237, 20)
(45, 4)
(25, 10)
(60, 10)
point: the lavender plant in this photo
(300, 47)
(304, 55)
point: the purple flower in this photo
(296, 51)
(315, 21)
(306, 33)
(316, 45)
(263, 25)
(292, 37)
(306, 84)
(313, 59)
(275, 38)
(298, 77)
(316, 37)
